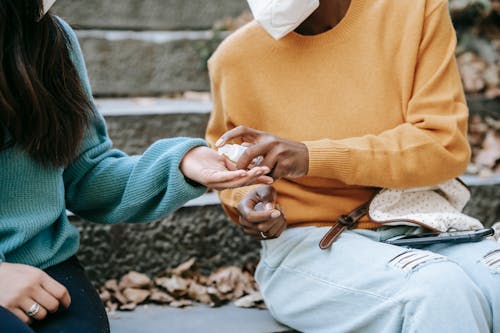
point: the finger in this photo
(49, 302)
(267, 226)
(237, 132)
(274, 231)
(19, 313)
(258, 170)
(247, 224)
(252, 232)
(267, 195)
(225, 176)
(272, 161)
(230, 165)
(259, 149)
(281, 229)
(27, 304)
(57, 290)
(246, 175)
(242, 181)
(264, 180)
(254, 216)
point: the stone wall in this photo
(204, 233)
(148, 14)
(147, 47)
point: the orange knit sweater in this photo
(377, 100)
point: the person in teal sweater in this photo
(55, 155)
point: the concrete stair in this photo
(148, 14)
(135, 123)
(197, 319)
(147, 63)
(148, 47)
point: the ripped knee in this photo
(492, 260)
(413, 259)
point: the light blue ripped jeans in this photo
(363, 285)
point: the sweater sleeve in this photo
(107, 186)
(430, 146)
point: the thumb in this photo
(267, 200)
(267, 194)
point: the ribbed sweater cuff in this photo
(328, 159)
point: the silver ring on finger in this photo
(263, 235)
(33, 310)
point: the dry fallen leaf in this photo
(226, 278)
(135, 295)
(127, 307)
(134, 280)
(160, 297)
(182, 268)
(175, 285)
(199, 293)
(181, 303)
(250, 300)
(182, 287)
(490, 153)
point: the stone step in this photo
(147, 63)
(162, 14)
(195, 319)
(152, 63)
(135, 123)
(148, 14)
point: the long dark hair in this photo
(43, 106)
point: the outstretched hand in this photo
(205, 166)
(283, 157)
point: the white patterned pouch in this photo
(437, 208)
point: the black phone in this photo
(441, 237)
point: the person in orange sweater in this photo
(340, 98)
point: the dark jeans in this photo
(86, 313)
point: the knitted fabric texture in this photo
(377, 100)
(103, 185)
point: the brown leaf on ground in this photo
(490, 153)
(225, 279)
(134, 280)
(160, 297)
(181, 303)
(111, 285)
(223, 285)
(199, 293)
(105, 295)
(118, 295)
(135, 295)
(182, 268)
(175, 285)
(249, 301)
(111, 306)
(128, 307)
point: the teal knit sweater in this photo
(103, 185)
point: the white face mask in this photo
(47, 4)
(280, 17)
